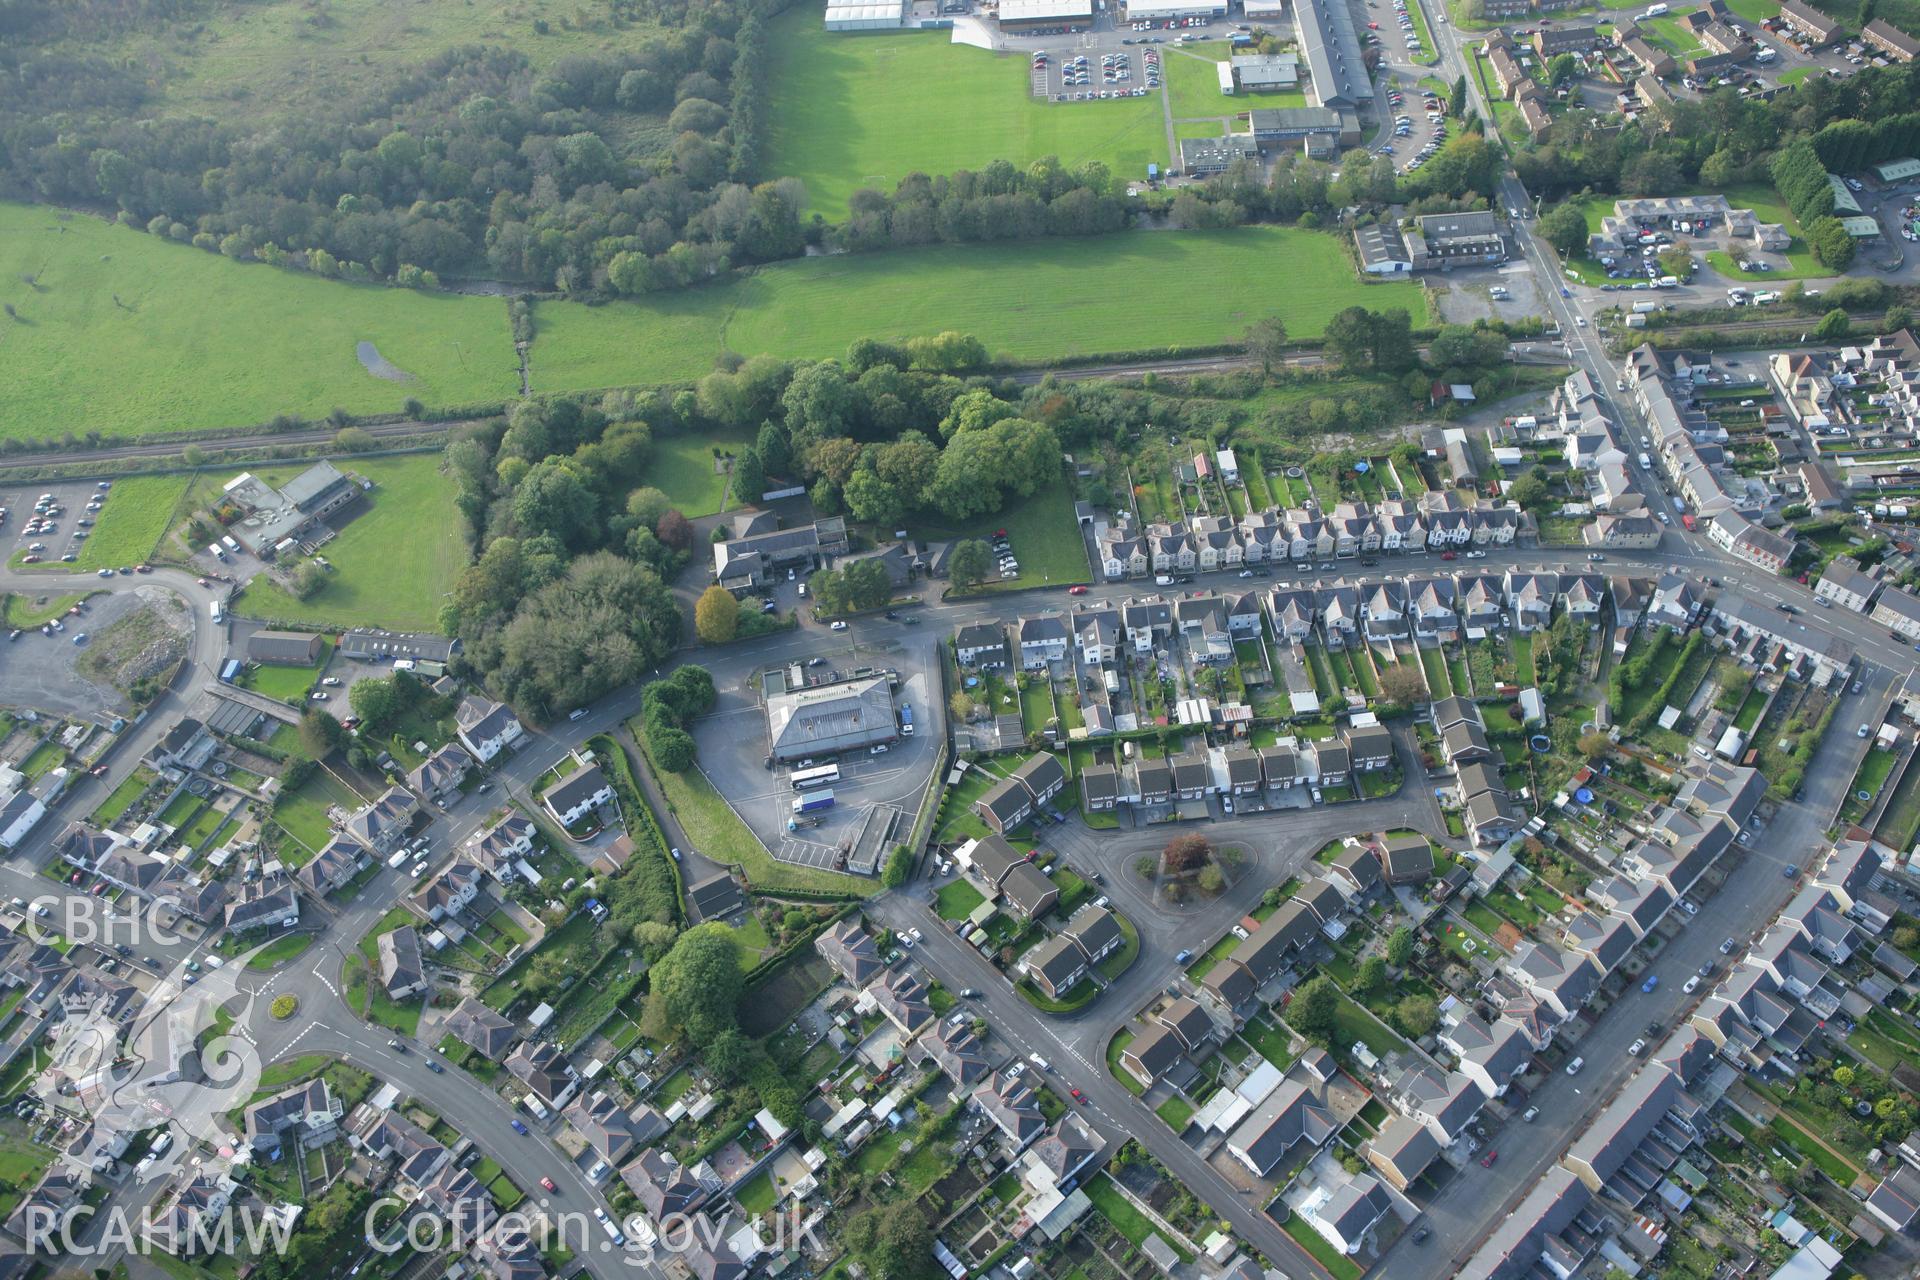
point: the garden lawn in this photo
(302, 815)
(1270, 1040)
(122, 798)
(1176, 1111)
(126, 334)
(1115, 1047)
(683, 469)
(717, 831)
(1118, 1210)
(1337, 1264)
(1032, 300)
(288, 684)
(393, 563)
(868, 111)
(1193, 82)
(283, 948)
(1040, 529)
(1789, 1131)
(957, 900)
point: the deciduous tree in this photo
(716, 615)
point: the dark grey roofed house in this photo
(1152, 1053)
(1357, 866)
(439, 776)
(1155, 779)
(982, 645)
(573, 797)
(1187, 1020)
(1011, 1104)
(1266, 951)
(1056, 965)
(1099, 787)
(1371, 747)
(1243, 770)
(543, 1069)
(1402, 1150)
(401, 972)
(1096, 931)
(480, 1028)
(662, 1186)
(903, 997)
(332, 867)
(850, 950)
(1192, 776)
(1232, 982)
(1005, 806)
(714, 896)
(1042, 774)
(1321, 898)
(1290, 1114)
(1407, 859)
(284, 648)
(1067, 1148)
(260, 907)
(1028, 890)
(955, 1049)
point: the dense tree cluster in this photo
(667, 707)
(632, 171)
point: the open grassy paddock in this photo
(867, 110)
(393, 563)
(241, 58)
(125, 334)
(1034, 300)
(128, 528)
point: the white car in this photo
(1635, 1049)
(1573, 1068)
(1691, 985)
(838, 626)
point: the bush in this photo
(283, 1007)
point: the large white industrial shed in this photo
(865, 17)
(1162, 10)
(1019, 15)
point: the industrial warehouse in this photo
(829, 719)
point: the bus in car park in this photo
(808, 779)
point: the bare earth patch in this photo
(146, 643)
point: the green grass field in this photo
(289, 684)
(1042, 533)
(129, 526)
(1032, 300)
(867, 110)
(393, 563)
(125, 334)
(683, 469)
(1193, 82)
(235, 60)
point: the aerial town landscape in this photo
(899, 639)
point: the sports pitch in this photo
(865, 110)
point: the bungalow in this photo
(481, 1029)
(1291, 1114)
(401, 972)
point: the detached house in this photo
(486, 727)
(1043, 641)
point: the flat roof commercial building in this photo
(864, 16)
(1045, 15)
(1264, 72)
(1332, 46)
(1203, 157)
(831, 718)
(1163, 10)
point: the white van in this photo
(403, 664)
(218, 610)
(398, 860)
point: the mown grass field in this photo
(867, 110)
(1033, 300)
(393, 563)
(235, 59)
(129, 526)
(125, 334)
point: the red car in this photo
(548, 1184)
(1449, 555)
(1076, 591)
(1486, 1161)
(1078, 1097)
